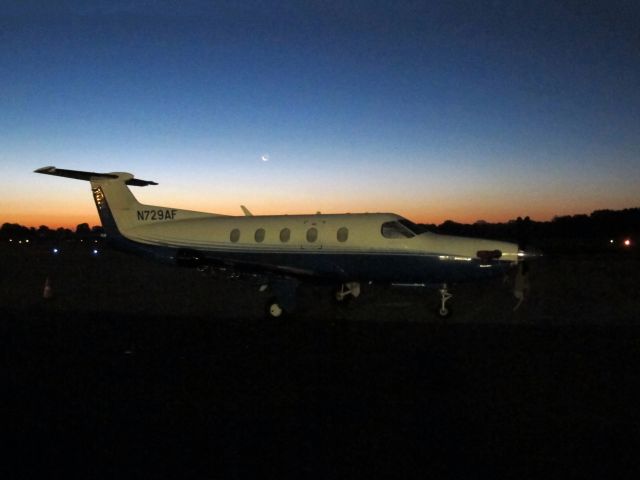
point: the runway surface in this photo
(124, 374)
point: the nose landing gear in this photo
(444, 311)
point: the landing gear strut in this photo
(346, 289)
(444, 311)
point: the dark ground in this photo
(145, 370)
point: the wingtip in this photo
(45, 169)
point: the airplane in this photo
(282, 251)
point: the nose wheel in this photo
(444, 311)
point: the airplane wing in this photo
(259, 268)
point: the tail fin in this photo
(120, 212)
(111, 186)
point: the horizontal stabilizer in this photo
(80, 175)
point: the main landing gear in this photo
(346, 289)
(274, 309)
(444, 311)
(284, 296)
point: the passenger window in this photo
(235, 235)
(396, 230)
(312, 235)
(343, 234)
(285, 235)
(259, 236)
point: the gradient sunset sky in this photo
(433, 110)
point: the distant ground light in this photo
(626, 242)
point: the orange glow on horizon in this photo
(418, 215)
(68, 213)
(53, 221)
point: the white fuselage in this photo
(374, 246)
(290, 233)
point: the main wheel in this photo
(444, 312)
(274, 309)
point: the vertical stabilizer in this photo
(111, 193)
(119, 210)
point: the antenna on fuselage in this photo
(246, 211)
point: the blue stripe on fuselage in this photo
(366, 266)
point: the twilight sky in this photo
(433, 110)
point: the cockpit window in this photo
(416, 229)
(396, 230)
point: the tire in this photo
(274, 309)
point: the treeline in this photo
(10, 231)
(601, 224)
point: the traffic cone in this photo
(48, 291)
